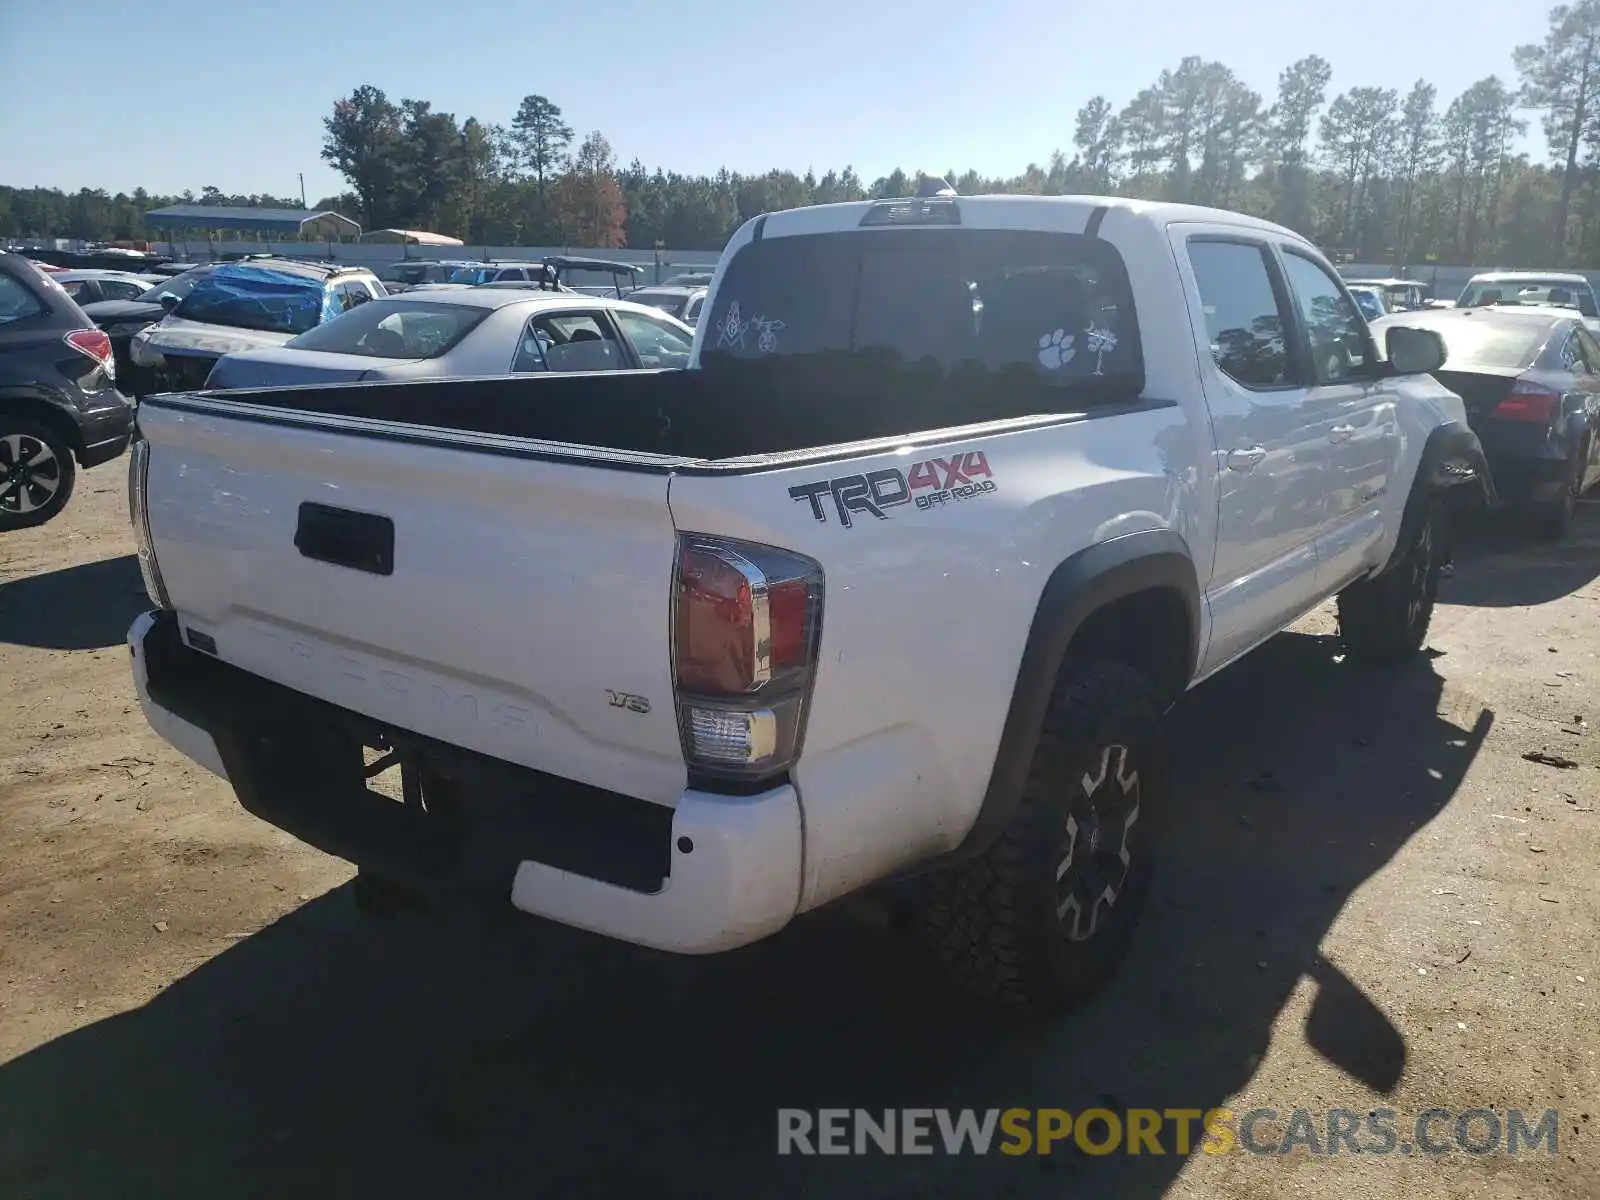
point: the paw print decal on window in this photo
(1056, 350)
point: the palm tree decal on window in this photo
(1099, 341)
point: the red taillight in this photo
(723, 640)
(1529, 402)
(746, 623)
(95, 343)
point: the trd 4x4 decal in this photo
(965, 475)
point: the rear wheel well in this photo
(1147, 630)
(48, 415)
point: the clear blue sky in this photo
(233, 92)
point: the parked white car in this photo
(427, 334)
(958, 495)
(1565, 289)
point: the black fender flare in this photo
(1452, 457)
(1086, 581)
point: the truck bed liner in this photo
(698, 415)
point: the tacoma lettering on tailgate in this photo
(965, 475)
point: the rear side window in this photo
(17, 303)
(393, 329)
(1591, 351)
(1571, 355)
(350, 294)
(655, 342)
(1244, 324)
(568, 342)
(1054, 308)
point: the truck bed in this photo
(692, 416)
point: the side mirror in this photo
(169, 301)
(1414, 351)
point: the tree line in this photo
(1373, 173)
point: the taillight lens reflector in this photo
(1529, 402)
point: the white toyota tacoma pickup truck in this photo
(895, 583)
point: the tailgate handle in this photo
(358, 540)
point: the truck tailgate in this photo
(499, 601)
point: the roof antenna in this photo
(929, 186)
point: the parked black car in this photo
(122, 319)
(59, 405)
(1530, 378)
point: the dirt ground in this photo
(1376, 902)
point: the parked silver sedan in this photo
(473, 332)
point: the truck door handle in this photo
(1341, 433)
(1245, 457)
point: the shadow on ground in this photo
(1499, 564)
(87, 607)
(465, 1057)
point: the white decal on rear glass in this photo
(1098, 342)
(766, 333)
(732, 329)
(1056, 349)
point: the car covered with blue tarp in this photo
(246, 305)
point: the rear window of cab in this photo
(1055, 308)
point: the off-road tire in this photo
(1383, 620)
(998, 923)
(59, 476)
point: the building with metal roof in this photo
(289, 222)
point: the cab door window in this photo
(1244, 324)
